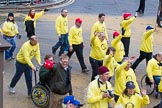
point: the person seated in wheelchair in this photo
(46, 68)
(58, 78)
(131, 99)
(71, 102)
(154, 70)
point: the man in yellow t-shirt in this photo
(146, 47)
(76, 43)
(24, 64)
(99, 93)
(126, 31)
(154, 70)
(99, 47)
(62, 32)
(99, 26)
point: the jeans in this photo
(63, 42)
(143, 55)
(20, 69)
(78, 49)
(157, 81)
(12, 41)
(95, 65)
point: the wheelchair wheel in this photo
(159, 21)
(149, 87)
(41, 95)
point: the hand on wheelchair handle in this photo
(152, 81)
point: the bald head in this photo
(33, 40)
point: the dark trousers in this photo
(78, 49)
(95, 64)
(143, 55)
(161, 100)
(20, 69)
(63, 43)
(126, 43)
(160, 104)
(142, 6)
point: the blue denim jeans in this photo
(157, 81)
(20, 69)
(12, 41)
(63, 43)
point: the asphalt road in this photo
(111, 7)
(88, 10)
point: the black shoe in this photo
(137, 10)
(140, 11)
(157, 106)
(54, 52)
(85, 70)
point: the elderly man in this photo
(24, 64)
(60, 81)
(154, 71)
(99, 91)
(99, 47)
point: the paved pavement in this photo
(88, 11)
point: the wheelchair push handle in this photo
(35, 74)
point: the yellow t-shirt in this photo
(61, 25)
(75, 36)
(98, 48)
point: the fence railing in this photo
(22, 1)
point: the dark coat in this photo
(59, 80)
(30, 28)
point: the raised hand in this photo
(143, 91)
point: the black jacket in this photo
(30, 28)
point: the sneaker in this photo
(11, 90)
(29, 96)
(9, 59)
(85, 70)
(12, 58)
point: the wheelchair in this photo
(150, 87)
(40, 94)
(159, 14)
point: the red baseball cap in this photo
(78, 20)
(125, 15)
(116, 34)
